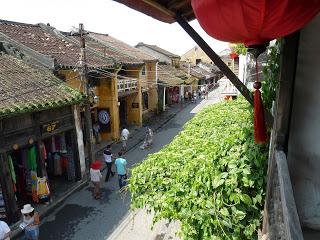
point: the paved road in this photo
(81, 218)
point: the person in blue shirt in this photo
(121, 165)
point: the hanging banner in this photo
(104, 119)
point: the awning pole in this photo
(215, 58)
(221, 65)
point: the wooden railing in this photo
(283, 216)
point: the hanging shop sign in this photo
(50, 127)
(135, 105)
(104, 119)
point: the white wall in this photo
(304, 142)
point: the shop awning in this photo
(162, 10)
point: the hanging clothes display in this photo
(43, 151)
(63, 145)
(57, 164)
(34, 181)
(32, 158)
(43, 189)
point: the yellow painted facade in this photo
(108, 98)
(151, 86)
(134, 101)
(196, 53)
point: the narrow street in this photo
(82, 218)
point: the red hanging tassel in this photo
(260, 130)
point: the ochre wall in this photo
(152, 91)
(134, 115)
(108, 98)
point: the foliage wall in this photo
(211, 177)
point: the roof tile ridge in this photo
(104, 43)
(76, 43)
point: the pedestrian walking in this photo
(148, 139)
(124, 138)
(108, 160)
(30, 222)
(121, 165)
(195, 96)
(95, 176)
(4, 231)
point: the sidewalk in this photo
(137, 134)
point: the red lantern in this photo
(253, 22)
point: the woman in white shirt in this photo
(96, 177)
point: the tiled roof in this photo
(27, 88)
(107, 51)
(171, 76)
(125, 48)
(158, 49)
(211, 67)
(196, 71)
(44, 40)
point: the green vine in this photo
(210, 178)
(239, 48)
(271, 75)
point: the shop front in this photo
(39, 159)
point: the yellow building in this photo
(119, 88)
(196, 55)
(147, 74)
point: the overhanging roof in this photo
(162, 10)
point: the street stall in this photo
(39, 152)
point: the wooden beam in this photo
(215, 58)
(177, 4)
(160, 7)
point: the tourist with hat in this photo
(96, 177)
(30, 222)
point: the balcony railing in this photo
(282, 212)
(127, 85)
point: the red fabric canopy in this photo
(253, 22)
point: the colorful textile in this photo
(42, 187)
(32, 159)
(43, 151)
(34, 182)
(11, 169)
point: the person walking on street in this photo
(124, 138)
(4, 231)
(30, 222)
(121, 165)
(108, 160)
(95, 176)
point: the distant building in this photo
(195, 56)
(163, 55)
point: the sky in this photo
(105, 16)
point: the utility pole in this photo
(84, 81)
